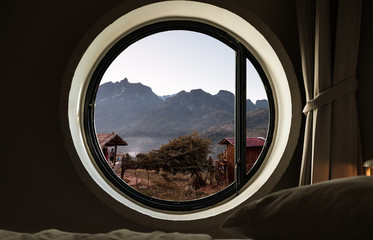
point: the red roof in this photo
(250, 141)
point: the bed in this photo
(122, 234)
(336, 209)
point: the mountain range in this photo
(135, 112)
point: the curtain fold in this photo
(329, 46)
(306, 16)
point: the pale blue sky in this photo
(177, 60)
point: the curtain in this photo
(329, 39)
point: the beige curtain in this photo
(329, 39)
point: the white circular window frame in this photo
(220, 18)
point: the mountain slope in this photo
(134, 112)
(120, 105)
(186, 111)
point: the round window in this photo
(182, 111)
(179, 115)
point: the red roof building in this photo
(250, 141)
(254, 147)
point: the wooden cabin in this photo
(254, 147)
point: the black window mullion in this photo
(240, 117)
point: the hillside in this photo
(146, 120)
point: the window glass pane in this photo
(165, 113)
(257, 115)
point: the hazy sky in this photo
(177, 60)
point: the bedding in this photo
(336, 209)
(123, 234)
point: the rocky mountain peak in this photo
(134, 110)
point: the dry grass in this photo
(167, 186)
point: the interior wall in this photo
(40, 187)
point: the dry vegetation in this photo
(164, 185)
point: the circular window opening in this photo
(179, 115)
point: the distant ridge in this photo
(134, 110)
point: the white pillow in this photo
(336, 209)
